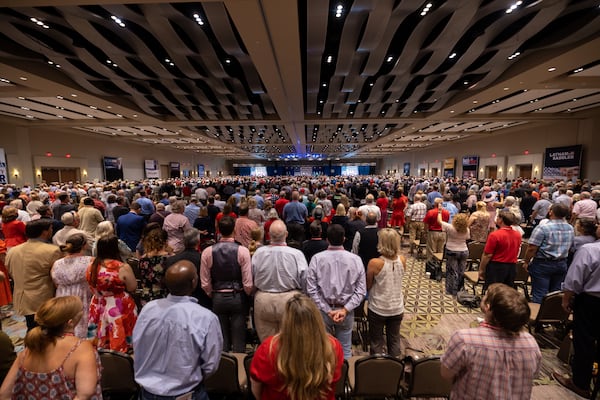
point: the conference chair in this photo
(376, 376)
(549, 313)
(229, 380)
(422, 378)
(342, 388)
(475, 253)
(118, 380)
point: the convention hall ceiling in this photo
(311, 79)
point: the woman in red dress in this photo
(398, 206)
(13, 230)
(5, 293)
(383, 203)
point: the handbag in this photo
(468, 299)
(435, 269)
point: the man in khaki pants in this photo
(278, 272)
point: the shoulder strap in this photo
(75, 346)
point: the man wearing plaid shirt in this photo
(497, 360)
(546, 257)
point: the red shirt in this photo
(504, 245)
(279, 204)
(431, 219)
(264, 369)
(14, 233)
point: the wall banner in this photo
(113, 168)
(3, 168)
(562, 162)
(151, 168)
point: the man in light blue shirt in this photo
(192, 210)
(177, 343)
(336, 283)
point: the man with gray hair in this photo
(71, 223)
(278, 272)
(585, 208)
(541, 208)
(191, 241)
(368, 207)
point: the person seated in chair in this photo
(496, 360)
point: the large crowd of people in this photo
(296, 255)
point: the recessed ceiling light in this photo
(578, 70)
(73, 95)
(451, 111)
(452, 55)
(329, 59)
(551, 69)
(21, 98)
(135, 116)
(22, 78)
(505, 88)
(390, 59)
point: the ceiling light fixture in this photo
(551, 69)
(198, 19)
(514, 55)
(339, 10)
(329, 59)
(578, 70)
(118, 21)
(39, 23)
(426, 9)
(4, 80)
(452, 55)
(513, 7)
(390, 59)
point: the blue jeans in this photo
(546, 277)
(341, 331)
(199, 394)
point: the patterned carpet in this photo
(426, 301)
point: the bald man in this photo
(278, 272)
(177, 343)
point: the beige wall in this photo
(26, 152)
(509, 148)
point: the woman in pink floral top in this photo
(112, 309)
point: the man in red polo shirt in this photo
(436, 239)
(501, 252)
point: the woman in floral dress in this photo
(152, 272)
(68, 274)
(112, 309)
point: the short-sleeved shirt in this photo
(264, 369)
(489, 363)
(554, 239)
(504, 245)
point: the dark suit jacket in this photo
(129, 229)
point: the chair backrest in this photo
(225, 379)
(425, 379)
(521, 275)
(523, 250)
(118, 381)
(551, 310)
(475, 250)
(341, 387)
(247, 362)
(377, 376)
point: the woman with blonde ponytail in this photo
(301, 362)
(55, 363)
